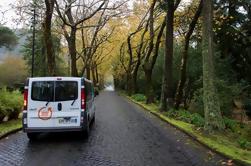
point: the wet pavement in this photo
(122, 135)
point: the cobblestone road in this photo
(123, 135)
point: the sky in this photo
(5, 5)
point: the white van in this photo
(58, 104)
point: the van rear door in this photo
(54, 103)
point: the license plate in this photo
(67, 121)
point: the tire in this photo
(87, 130)
(93, 119)
(32, 136)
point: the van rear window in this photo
(54, 90)
(42, 91)
(66, 90)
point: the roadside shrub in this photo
(247, 106)
(196, 105)
(230, 124)
(2, 112)
(186, 116)
(197, 120)
(172, 113)
(226, 92)
(139, 97)
(244, 144)
(10, 104)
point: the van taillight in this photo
(83, 98)
(25, 99)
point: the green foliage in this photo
(232, 34)
(9, 126)
(39, 56)
(197, 120)
(196, 104)
(8, 38)
(12, 71)
(186, 116)
(40, 61)
(244, 143)
(139, 97)
(230, 124)
(227, 92)
(10, 103)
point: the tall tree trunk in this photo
(183, 67)
(135, 75)
(139, 52)
(72, 51)
(96, 72)
(93, 76)
(166, 92)
(48, 37)
(129, 84)
(149, 88)
(88, 72)
(130, 67)
(147, 61)
(213, 117)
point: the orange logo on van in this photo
(45, 114)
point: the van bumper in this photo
(51, 129)
(27, 129)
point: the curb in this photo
(10, 132)
(236, 161)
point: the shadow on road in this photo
(61, 137)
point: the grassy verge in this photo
(10, 126)
(224, 143)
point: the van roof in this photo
(57, 79)
(54, 78)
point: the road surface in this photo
(123, 135)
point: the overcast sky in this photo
(5, 5)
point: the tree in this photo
(233, 35)
(72, 21)
(130, 69)
(140, 55)
(8, 38)
(152, 52)
(48, 37)
(95, 37)
(181, 84)
(12, 71)
(127, 64)
(213, 117)
(40, 60)
(166, 92)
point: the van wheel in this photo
(32, 136)
(87, 130)
(93, 119)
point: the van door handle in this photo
(59, 106)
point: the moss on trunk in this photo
(213, 117)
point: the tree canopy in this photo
(8, 38)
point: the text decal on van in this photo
(45, 114)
